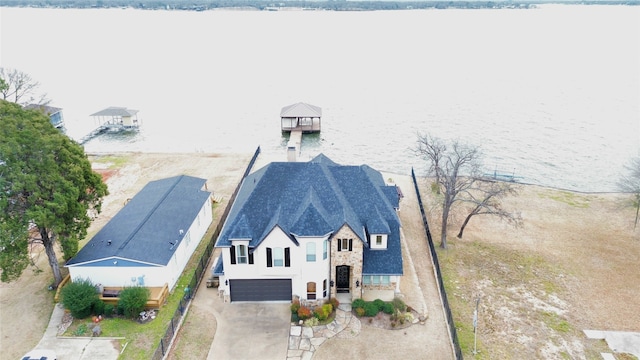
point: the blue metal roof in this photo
(147, 229)
(317, 198)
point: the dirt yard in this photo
(572, 266)
(26, 305)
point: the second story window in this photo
(345, 244)
(241, 254)
(278, 257)
(311, 252)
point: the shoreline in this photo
(273, 158)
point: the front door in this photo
(342, 278)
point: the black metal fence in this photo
(200, 271)
(434, 255)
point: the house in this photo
(54, 114)
(312, 230)
(300, 116)
(148, 242)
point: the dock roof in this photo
(300, 110)
(115, 111)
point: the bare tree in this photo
(432, 148)
(630, 183)
(456, 167)
(486, 200)
(18, 87)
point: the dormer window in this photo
(378, 241)
(240, 254)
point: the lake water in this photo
(552, 94)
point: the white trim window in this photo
(240, 254)
(376, 279)
(325, 245)
(311, 252)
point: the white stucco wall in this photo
(300, 271)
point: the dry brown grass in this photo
(572, 266)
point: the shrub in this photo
(98, 307)
(78, 297)
(358, 303)
(399, 304)
(109, 310)
(360, 312)
(334, 302)
(379, 304)
(311, 322)
(304, 313)
(132, 300)
(370, 309)
(323, 312)
(294, 317)
(388, 308)
(295, 305)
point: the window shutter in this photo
(287, 257)
(250, 257)
(232, 249)
(339, 244)
(350, 244)
(269, 258)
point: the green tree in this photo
(47, 188)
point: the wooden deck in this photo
(110, 294)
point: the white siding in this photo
(300, 271)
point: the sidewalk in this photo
(76, 348)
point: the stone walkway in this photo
(303, 341)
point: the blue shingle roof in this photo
(145, 229)
(316, 198)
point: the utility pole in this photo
(475, 327)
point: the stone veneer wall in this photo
(352, 258)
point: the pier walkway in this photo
(294, 144)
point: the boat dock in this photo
(99, 130)
(294, 145)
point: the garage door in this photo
(260, 289)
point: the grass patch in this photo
(114, 161)
(555, 322)
(568, 197)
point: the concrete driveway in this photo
(251, 331)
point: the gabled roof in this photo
(115, 111)
(48, 110)
(300, 110)
(147, 230)
(317, 198)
